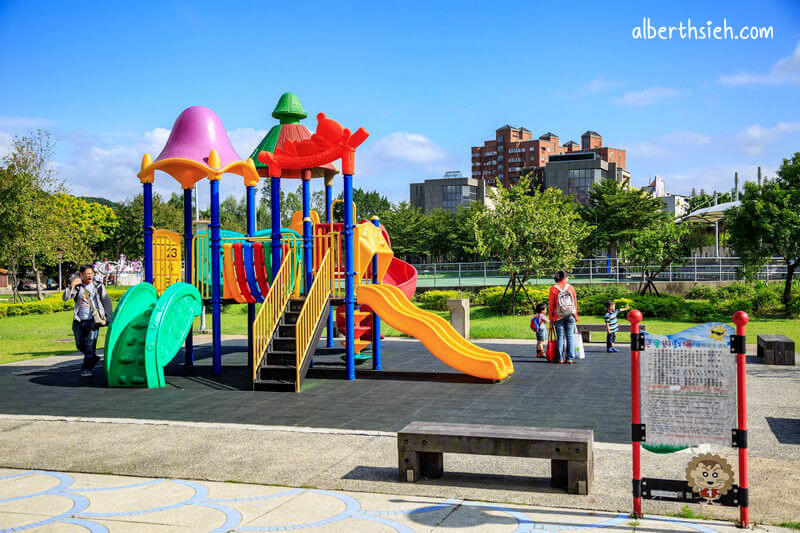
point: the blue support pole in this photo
(147, 230)
(307, 237)
(216, 296)
(329, 218)
(275, 201)
(251, 308)
(349, 280)
(377, 362)
(188, 352)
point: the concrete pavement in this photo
(58, 501)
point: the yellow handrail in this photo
(270, 312)
(314, 305)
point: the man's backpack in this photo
(565, 303)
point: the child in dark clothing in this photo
(538, 323)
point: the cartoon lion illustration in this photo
(710, 476)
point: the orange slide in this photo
(436, 333)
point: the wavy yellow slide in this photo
(436, 333)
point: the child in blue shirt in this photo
(538, 325)
(612, 326)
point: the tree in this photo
(86, 225)
(531, 235)
(127, 236)
(102, 201)
(465, 245)
(406, 226)
(233, 213)
(439, 234)
(657, 247)
(618, 213)
(30, 230)
(767, 223)
(368, 204)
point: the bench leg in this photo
(571, 475)
(586, 336)
(558, 474)
(432, 464)
(408, 465)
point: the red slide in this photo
(400, 274)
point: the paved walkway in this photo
(337, 435)
(78, 502)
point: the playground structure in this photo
(296, 276)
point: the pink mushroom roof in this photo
(187, 154)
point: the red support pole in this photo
(635, 317)
(740, 318)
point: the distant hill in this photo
(101, 201)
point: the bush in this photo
(664, 306)
(38, 308)
(607, 292)
(115, 294)
(437, 299)
(493, 298)
(701, 311)
(729, 307)
(700, 292)
(15, 310)
(51, 304)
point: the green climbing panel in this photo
(147, 332)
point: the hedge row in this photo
(52, 304)
(701, 304)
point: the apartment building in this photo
(514, 152)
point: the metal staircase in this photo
(279, 367)
(288, 328)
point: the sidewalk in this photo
(77, 502)
(356, 461)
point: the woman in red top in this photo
(563, 308)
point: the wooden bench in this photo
(421, 445)
(586, 330)
(776, 349)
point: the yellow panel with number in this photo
(166, 259)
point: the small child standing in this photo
(611, 325)
(538, 325)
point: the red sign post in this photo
(657, 408)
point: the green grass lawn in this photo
(32, 336)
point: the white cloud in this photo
(245, 140)
(404, 147)
(754, 138)
(7, 122)
(786, 71)
(5, 143)
(712, 178)
(601, 84)
(97, 166)
(390, 163)
(646, 97)
(667, 145)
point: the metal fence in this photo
(601, 270)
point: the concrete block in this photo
(459, 315)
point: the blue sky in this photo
(427, 79)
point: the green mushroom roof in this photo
(289, 109)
